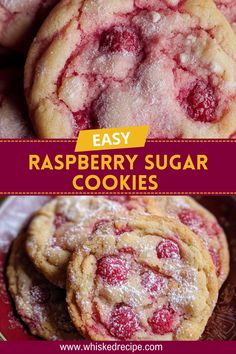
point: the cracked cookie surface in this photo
(141, 278)
(101, 64)
(65, 223)
(203, 224)
(228, 8)
(19, 19)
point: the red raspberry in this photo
(162, 321)
(216, 260)
(82, 121)
(233, 136)
(168, 249)
(213, 229)
(60, 220)
(120, 39)
(196, 222)
(40, 294)
(191, 219)
(201, 103)
(113, 270)
(123, 322)
(152, 282)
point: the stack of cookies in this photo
(118, 268)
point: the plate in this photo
(15, 213)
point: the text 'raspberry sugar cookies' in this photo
(19, 19)
(141, 278)
(203, 224)
(65, 223)
(40, 304)
(123, 63)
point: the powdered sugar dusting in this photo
(187, 284)
(76, 218)
(201, 222)
(40, 305)
(151, 289)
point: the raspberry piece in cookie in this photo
(113, 270)
(191, 218)
(216, 260)
(13, 112)
(168, 249)
(115, 295)
(19, 19)
(129, 63)
(65, 223)
(123, 322)
(201, 103)
(162, 321)
(202, 223)
(120, 39)
(40, 304)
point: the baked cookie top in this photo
(228, 8)
(141, 278)
(13, 111)
(202, 223)
(40, 304)
(19, 19)
(167, 64)
(60, 226)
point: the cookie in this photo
(64, 223)
(141, 278)
(203, 224)
(39, 304)
(19, 19)
(228, 8)
(169, 65)
(13, 112)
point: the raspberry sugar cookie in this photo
(19, 19)
(40, 304)
(64, 223)
(203, 224)
(169, 65)
(141, 278)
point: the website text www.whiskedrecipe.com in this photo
(112, 347)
